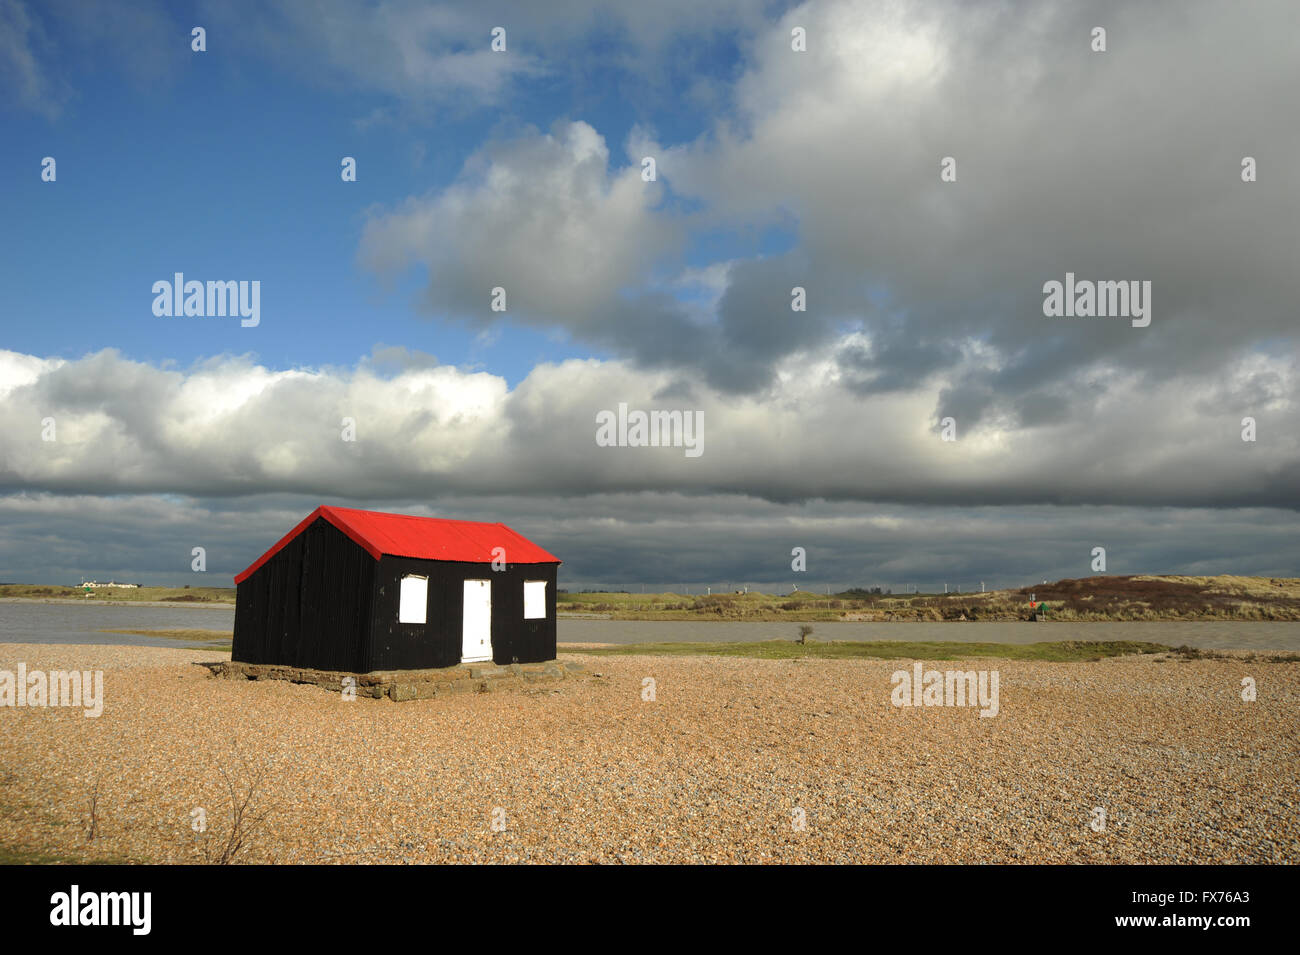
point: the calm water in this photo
(72, 623)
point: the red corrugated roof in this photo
(426, 538)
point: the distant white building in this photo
(110, 583)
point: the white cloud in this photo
(543, 216)
(417, 53)
(1060, 167)
(25, 76)
(228, 426)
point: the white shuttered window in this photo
(414, 600)
(534, 599)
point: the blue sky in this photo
(230, 169)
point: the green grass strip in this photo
(1063, 651)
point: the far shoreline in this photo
(1106, 598)
(91, 602)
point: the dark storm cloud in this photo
(1123, 165)
(1116, 165)
(622, 541)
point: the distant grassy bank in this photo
(1146, 598)
(193, 638)
(177, 595)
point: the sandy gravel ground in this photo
(712, 770)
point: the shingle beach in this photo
(714, 769)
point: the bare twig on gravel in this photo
(93, 829)
(245, 821)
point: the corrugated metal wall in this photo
(437, 643)
(307, 606)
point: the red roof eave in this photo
(406, 536)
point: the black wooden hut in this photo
(359, 591)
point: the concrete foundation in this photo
(400, 685)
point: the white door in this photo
(476, 625)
